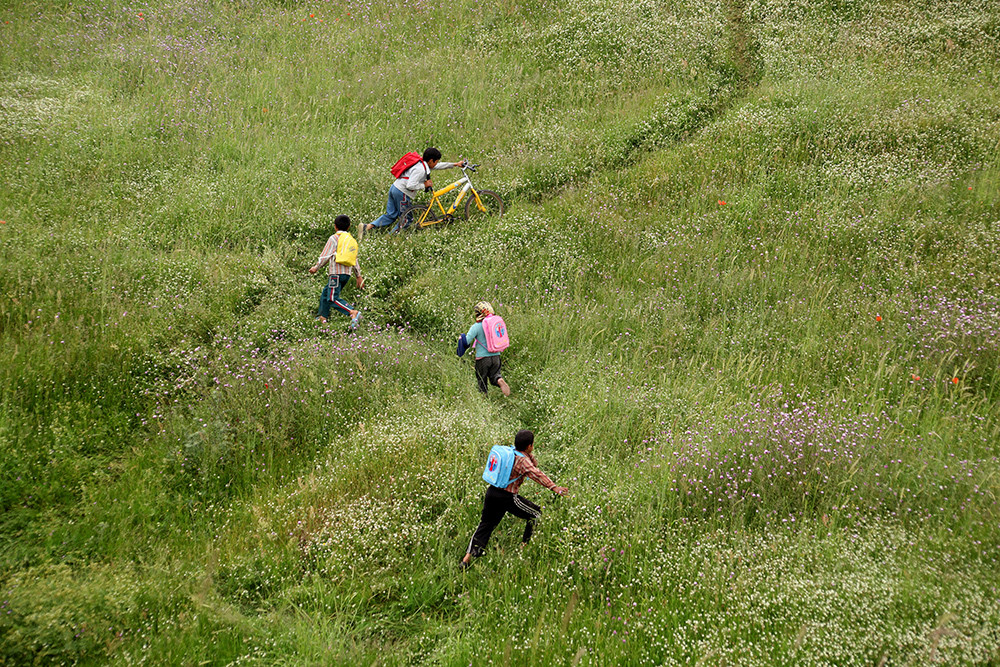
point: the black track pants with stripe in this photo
(497, 503)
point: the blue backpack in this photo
(499, 464)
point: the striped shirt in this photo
(527, 465)
(329, 251)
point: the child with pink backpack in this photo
(489, 336)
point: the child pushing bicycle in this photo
(413, 176)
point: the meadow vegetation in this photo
(747, 266)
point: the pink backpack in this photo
(404, 163)
(495, 330)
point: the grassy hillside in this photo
(748, 266)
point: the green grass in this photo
(747, 265)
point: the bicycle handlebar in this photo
(470, 167)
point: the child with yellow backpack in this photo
(341, 253)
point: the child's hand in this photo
(312, 269)
(561, 490)
(361, 282)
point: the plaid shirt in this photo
(329, 250)
(528, 465)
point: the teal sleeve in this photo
(477, 335)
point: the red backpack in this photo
(404, 163)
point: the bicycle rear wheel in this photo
(491, 201)
(413, 216)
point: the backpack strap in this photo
(511, 480)
(427, 171)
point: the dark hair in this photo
(342, 223)
(432, 154)
(523, 440)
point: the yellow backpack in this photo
(347, 250)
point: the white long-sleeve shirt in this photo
(411, 183)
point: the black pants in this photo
(488, 371)
(497, 503)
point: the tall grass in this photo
(748, 269)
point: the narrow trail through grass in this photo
(675, 119)
(749, 273)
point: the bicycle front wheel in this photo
(491, 202)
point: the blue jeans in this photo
(330, 296)
(395, 205)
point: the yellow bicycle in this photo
(483, 202)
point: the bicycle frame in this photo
(466, 184)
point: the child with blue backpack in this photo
(506, 469)
(488, 335)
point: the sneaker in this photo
(504, 387)
(356, 320)
(361, 230)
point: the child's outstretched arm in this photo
(329, 250)
(449, 165)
